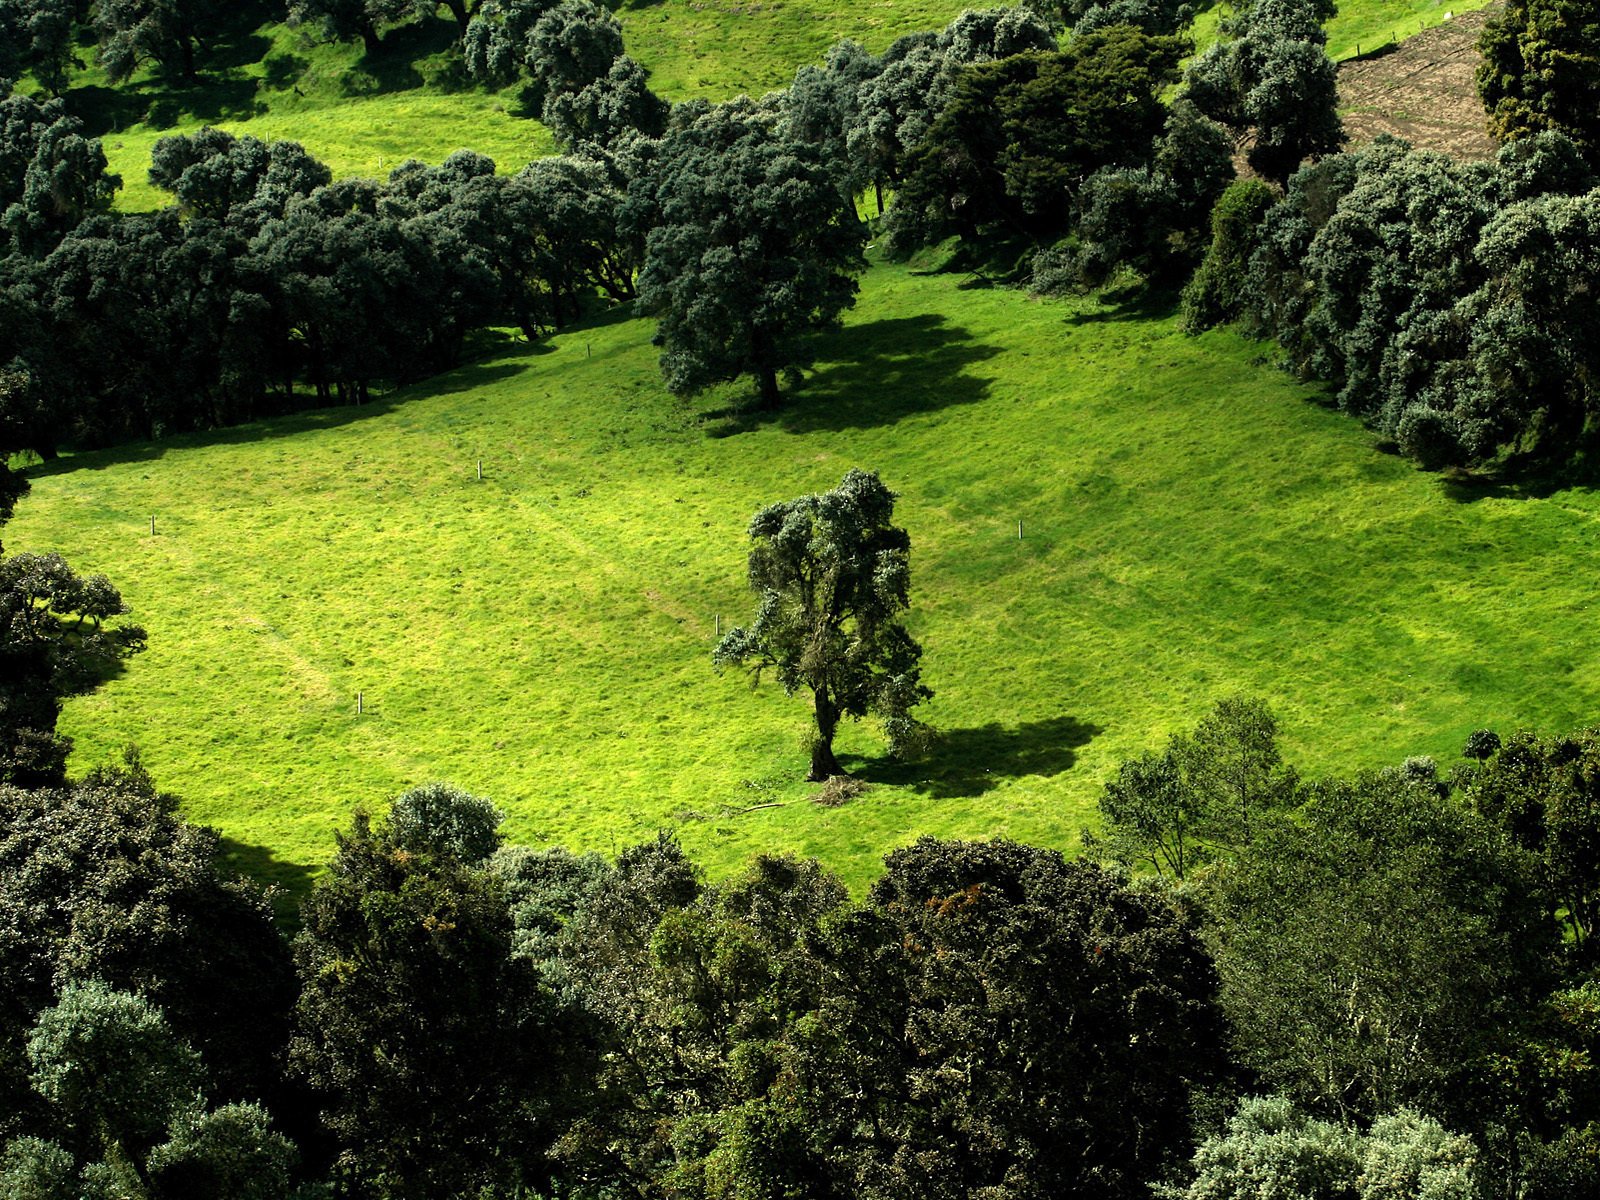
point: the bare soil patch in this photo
(1421, 90)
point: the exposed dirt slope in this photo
(1421, 90)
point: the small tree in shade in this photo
(833, 576)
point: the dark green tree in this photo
(113, 1073)
(750, 250)
(103, 880)
(1541, 71)
(1018, 136)
(573, 206)
(407, 950)
(348, 20)
(123, 1094)
(1155, 16)
(35, 37)
(608, 108)
(696, 1023)
(1149, 219)
(1208, 794)
(822, 105)
(1376, 951)
(51, 176)
(832, 576)
(893, 110)
(34, 1169)
(165, 32)
(1545, 794)
(1271, 80)
(1529, 332)
(57, 639)
(230, 1151)
(998, 1022)
(1215, 293)
(495, 45)
(570, 46)
(240, 180)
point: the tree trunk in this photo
(369, 37)
(877, 190)
(767, 378)
(458, 10)
(823, 764)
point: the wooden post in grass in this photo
(360, 704)
(1019, 531)
(152, 524)
(480, 470)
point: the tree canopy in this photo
(832, 575)
(750, 251)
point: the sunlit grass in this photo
(1192, 526)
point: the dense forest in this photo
(1379, 984)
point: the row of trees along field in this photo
(1446, 302)
(1250, 986)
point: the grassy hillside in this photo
(363, 115)
(1192, 526)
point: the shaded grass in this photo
(1192, 528)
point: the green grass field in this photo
(1192, 526)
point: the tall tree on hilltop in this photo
(833, 575)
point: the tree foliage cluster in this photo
(1361, 992)
(1447, 302)
(578, 78)
(266, 277)
(1395, 950)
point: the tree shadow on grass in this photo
(968, 762)
(881, 371)
(460, 379)
(231, 96)
(1533, 475)
(262, 865)
(1141, 302)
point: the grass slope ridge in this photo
(1192, 528)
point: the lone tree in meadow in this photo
(749, 250)
(833, 575)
